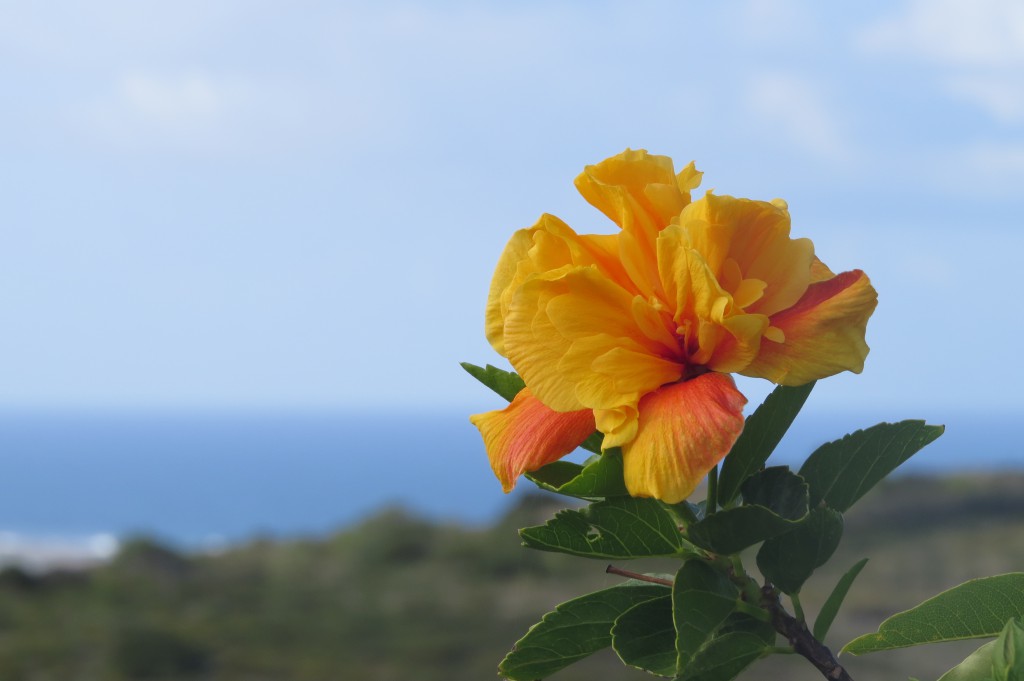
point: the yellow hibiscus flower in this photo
(635, 333)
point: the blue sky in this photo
(252, 204)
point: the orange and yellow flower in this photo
(635, 333)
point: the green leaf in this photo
(593, 443)
(742, 622)
(555, 474)
(835, 600)
(779, 490)
(574, 630)
(735, 529)
(975, 609)
(977, 666)
(644, 636)
(762, 432)
(724, 658)
(600, 477)
(505, 383)
(791, 558)
(702, 598)
(622, 527)
(841, 472)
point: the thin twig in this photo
(612, 570)
(802, 640)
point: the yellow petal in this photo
(527, 435)
(688, 179)
(820, 271)
(549, 245)
(634, 186)
(516, 250)
(684, 430)
(753, 235)
(690, 286)
(823, 333)
(642, 194)
(738, 348)
(619, 425)
(533, 344)
(573, 337)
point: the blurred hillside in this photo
(397, 597)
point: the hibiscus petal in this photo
(618, 425)
(527, 435)
(634, 180)
(685, 429)
(568, 334)
(823, 332)
(641, 193)
(533, 344)
(549, 245)
(753, 237)
(516, 250)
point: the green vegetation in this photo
(397, 597)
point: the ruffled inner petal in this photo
(549, 245)
(641, 193)
(573, 337)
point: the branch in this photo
(802, 640)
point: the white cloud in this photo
(774, 22)
(1000, 94)
(983, 170)
(143, 110)
(193, 111)
(793, 108)
(997, 161)
(979, 45)
(986, 33)
(183, 103)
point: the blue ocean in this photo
(202, 479)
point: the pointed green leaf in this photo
(644, 637)
(975, 609)
(724, 658)
(505, 383)
(735, 529)
(574, 630)
(600, 477)
(977, 666)
(841, 472)
(835, 600)
(789, 559)
(779, 490)
(555, 474)
(622, 527)
(702, 598)
(762, 432)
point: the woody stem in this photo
(801, 639)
